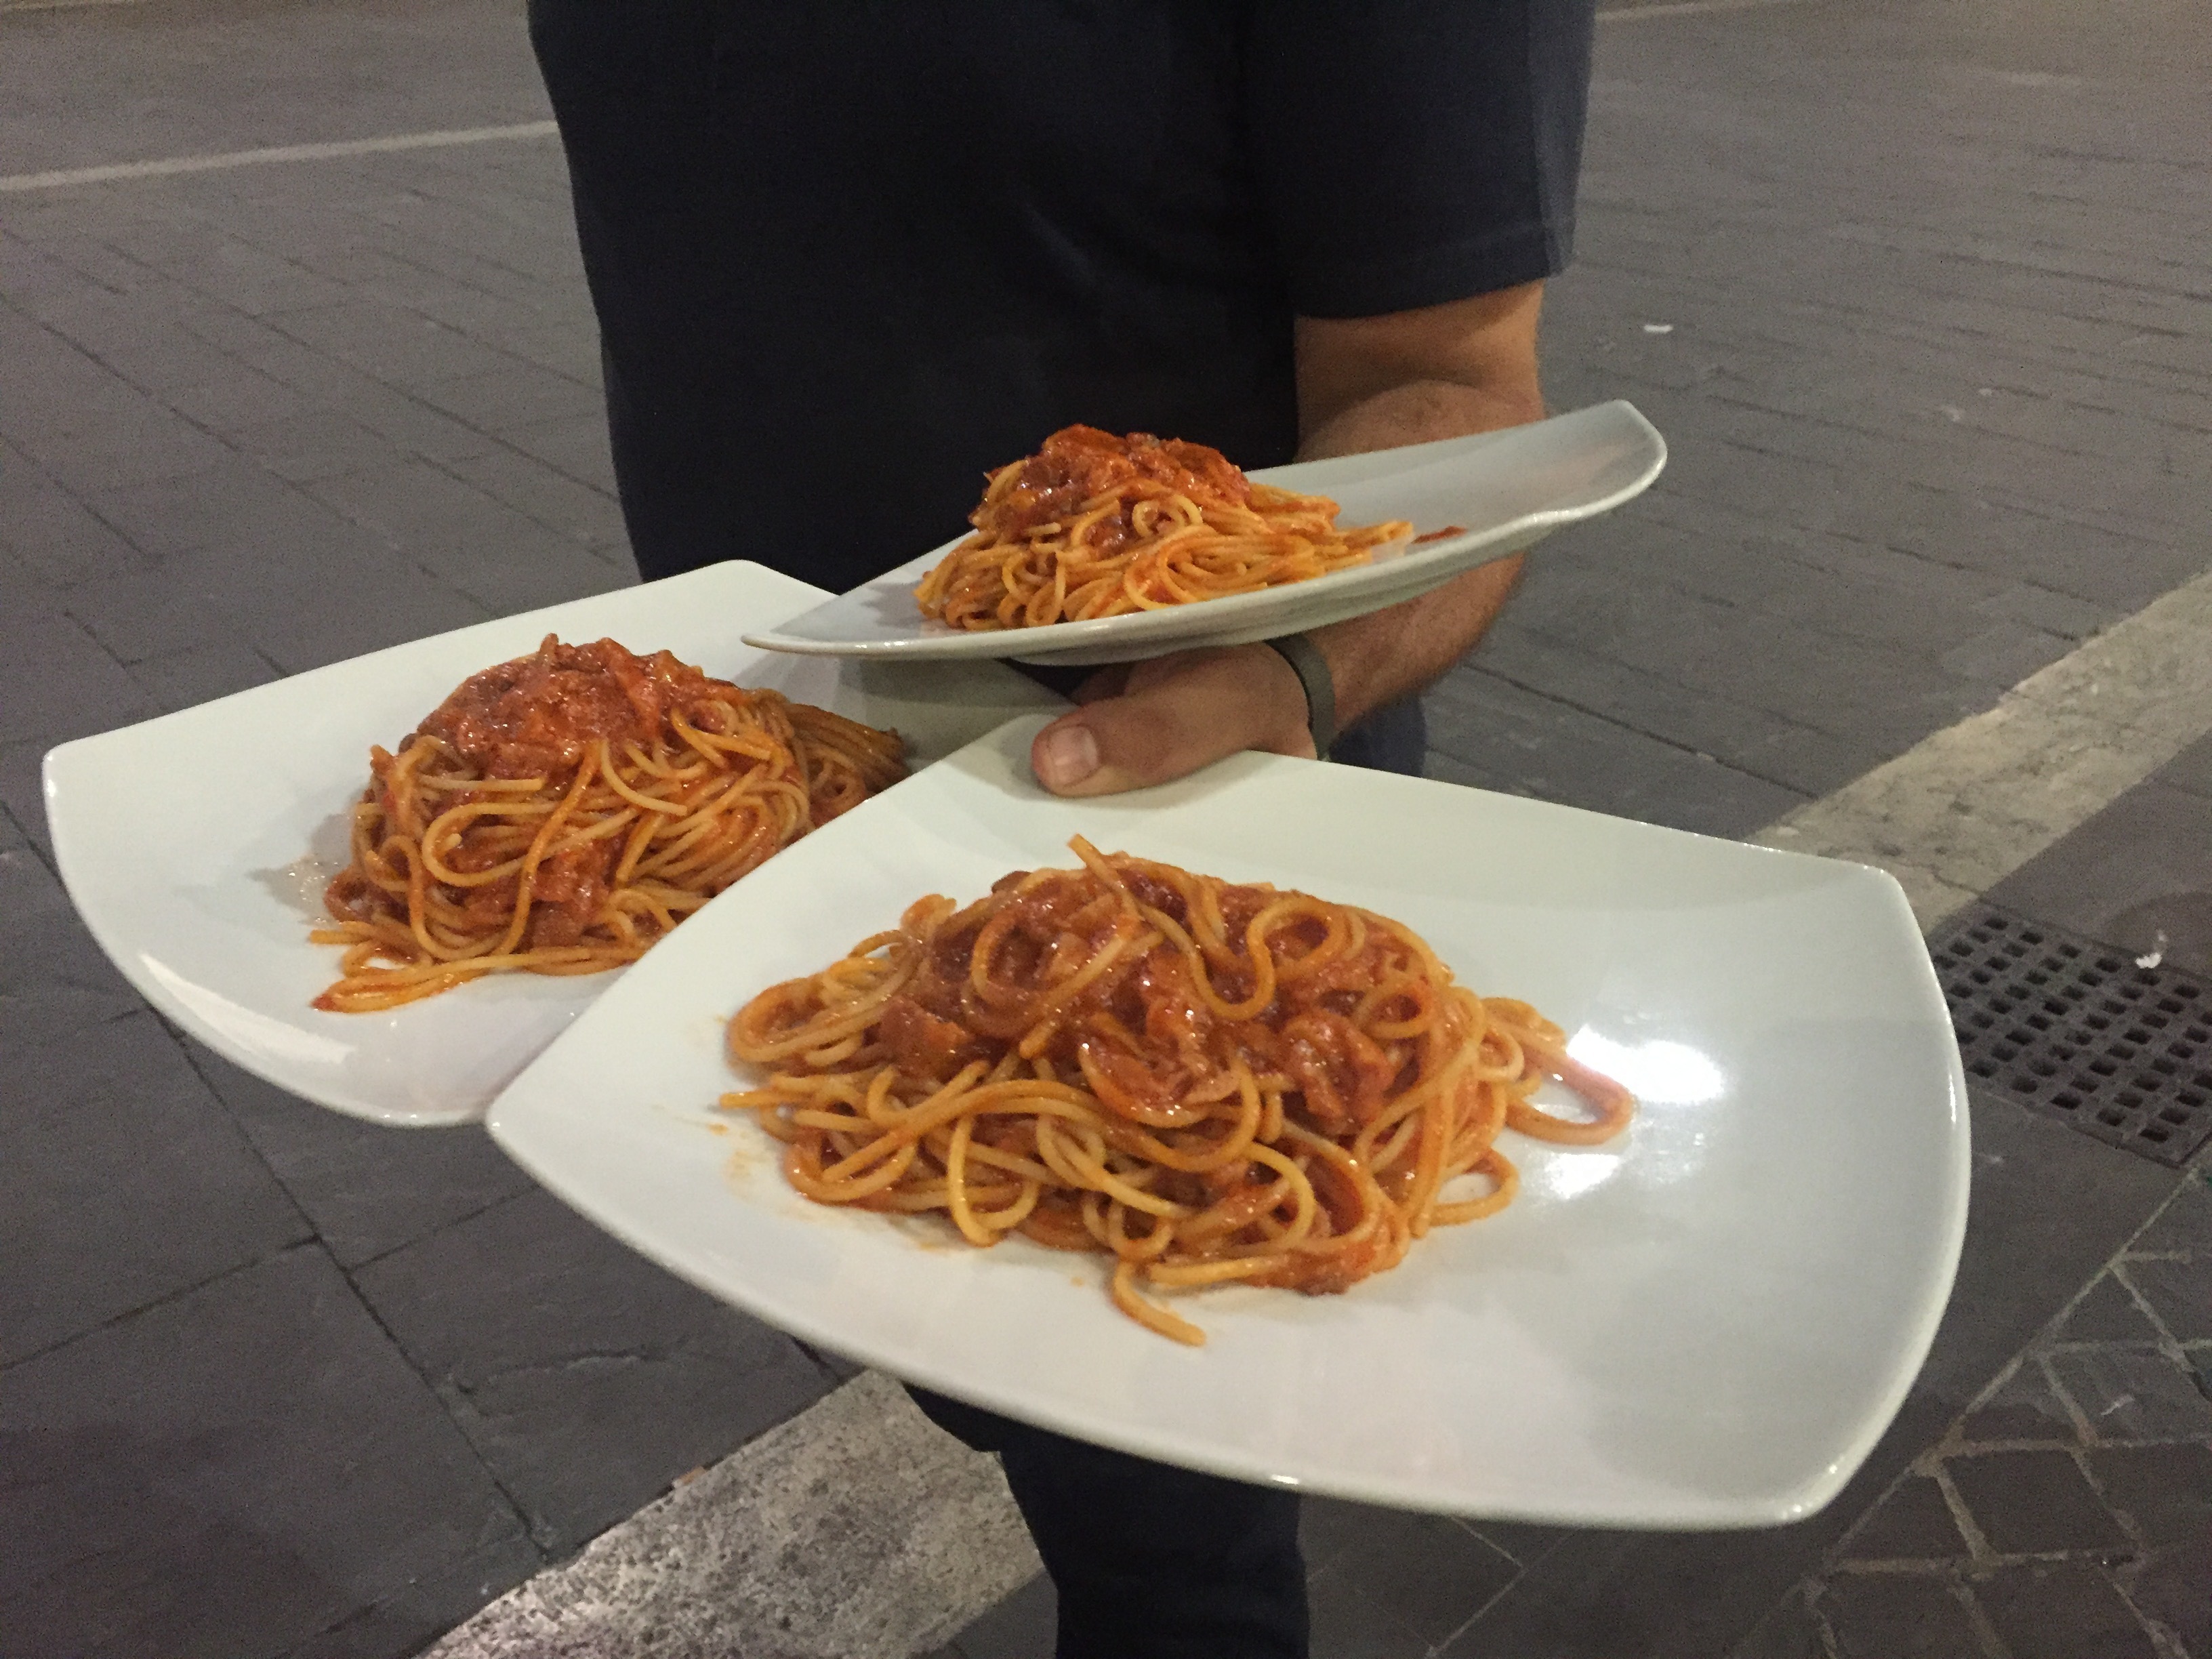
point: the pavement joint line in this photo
(1961, 811)
(7, 7)
(1686, 8)
(222, 160)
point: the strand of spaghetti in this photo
(1148, 1314)
(635, 797)
(1614, 1104)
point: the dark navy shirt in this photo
(847, 255)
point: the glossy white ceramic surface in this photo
(1505, 489)
(1705, 1323)
(206, 906)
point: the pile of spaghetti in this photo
(1206, 1082)
(1096, 525)
(560, 812)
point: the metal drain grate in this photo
(2075, 1029)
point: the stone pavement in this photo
(2070, 1510)
(1917, 293)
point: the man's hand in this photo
(1165, 719)
(1363, 383)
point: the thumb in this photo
(1176, 716)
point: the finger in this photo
(1179, 715)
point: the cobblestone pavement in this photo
(1915, 289)
(2069, 1511)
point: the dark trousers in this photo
(1158, 1563)
(1151, 1562)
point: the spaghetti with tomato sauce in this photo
(1095, 526)
(558, 814)
(1207, 1081)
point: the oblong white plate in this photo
(1506, 489)
(207, 910)
(1706, 1323)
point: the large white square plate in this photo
(206, 905)
(1706, 1323)
(1507, 490)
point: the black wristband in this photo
(1307, 662)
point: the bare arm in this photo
(1363, 383)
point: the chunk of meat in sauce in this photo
(1079, 463)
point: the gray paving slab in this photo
(231, 1473)
(368, 1190)
(201, 673)
(1023, 1627)
(1791, 1630)
(233, 397)
(2177, 1290)
(23, 796)
(396, 345)
(48, 535)
(2061, 1610)
(2169, 1592)
(2189, 771)
(126, 1181)
(1488, 731)
(2164, 1493)
(1914, 1524)
(2025, 1407)
(219, 506)
(2109, 1313)
(2034, 1502)
(1892, 1616)
(516, 394)
(2184, 1226)
(2138, 876)
(576, 448)
(61, 683)
(1402, 1584)
(2130, 1394)
(476, 540)
(581, 512)
(586, 1377)
(301, 603)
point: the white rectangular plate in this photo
(1506, 490)
(1705, 1323)
(206, 903)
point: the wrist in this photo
(1316, 694)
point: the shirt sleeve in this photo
(1414, 152)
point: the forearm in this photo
(1378, 659)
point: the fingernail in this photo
(1070, 755)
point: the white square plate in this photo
(206, 906)
(1507, 490)
(1705, 1323)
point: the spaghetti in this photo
(1096, 525)
(1206, 1082)
(559, 813)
